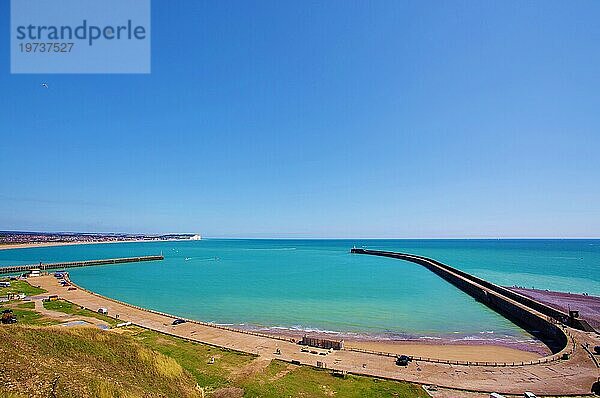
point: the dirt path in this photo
(63, 317)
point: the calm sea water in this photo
(318, 285)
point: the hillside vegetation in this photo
(20, 287)
(86, 362)
(133, 362)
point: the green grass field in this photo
(195, 357)
(280, 379)
(29, 305)
(20, 287)
(73, 309)
(27, 316)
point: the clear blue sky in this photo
(322, 119)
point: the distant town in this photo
(19, 237)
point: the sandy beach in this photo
(458, 352)
(473, 350)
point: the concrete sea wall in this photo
(535, 317)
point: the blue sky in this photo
(319, 119)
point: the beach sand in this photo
(458, 352)
(474, 350)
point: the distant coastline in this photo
(22, 240)
(8, 246)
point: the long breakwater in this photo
(71, 264)
(524, 311)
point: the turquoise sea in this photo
(319, 285)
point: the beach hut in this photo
(322, 343)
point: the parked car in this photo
(403, 360)
(178, 322)
(52, 297)
(72, 288)
(103, 310)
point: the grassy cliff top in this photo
(133, 362)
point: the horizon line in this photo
(310, 237)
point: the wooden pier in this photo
(71, 264)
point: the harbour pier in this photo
(71, 264)
(529, 313)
